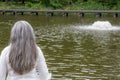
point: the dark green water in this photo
(72, 53)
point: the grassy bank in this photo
(89, 5)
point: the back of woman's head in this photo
(23, 52)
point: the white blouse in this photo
(40, 72)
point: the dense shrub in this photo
(61, 4)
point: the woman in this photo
(22, 59)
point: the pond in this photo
(75, 48)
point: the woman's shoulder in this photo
(39, 49)
(5, 50)
(40, 53)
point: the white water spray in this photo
(100, 25)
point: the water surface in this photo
(72, 50)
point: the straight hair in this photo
(23, 51)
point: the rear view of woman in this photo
(22, 59)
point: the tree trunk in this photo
(23, 1)
(85, 0)
(3, 0)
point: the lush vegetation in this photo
(61, 4)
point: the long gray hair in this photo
(23, 52)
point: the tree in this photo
(109, 3)
(23, 1)
(45, 2)
(4, 0)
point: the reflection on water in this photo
(73, 53)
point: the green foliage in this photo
(61, 4)
(35, 6)
(90, 5)
(55, 4)
(109, 3)
(45, 2)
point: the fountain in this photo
(100, 25)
